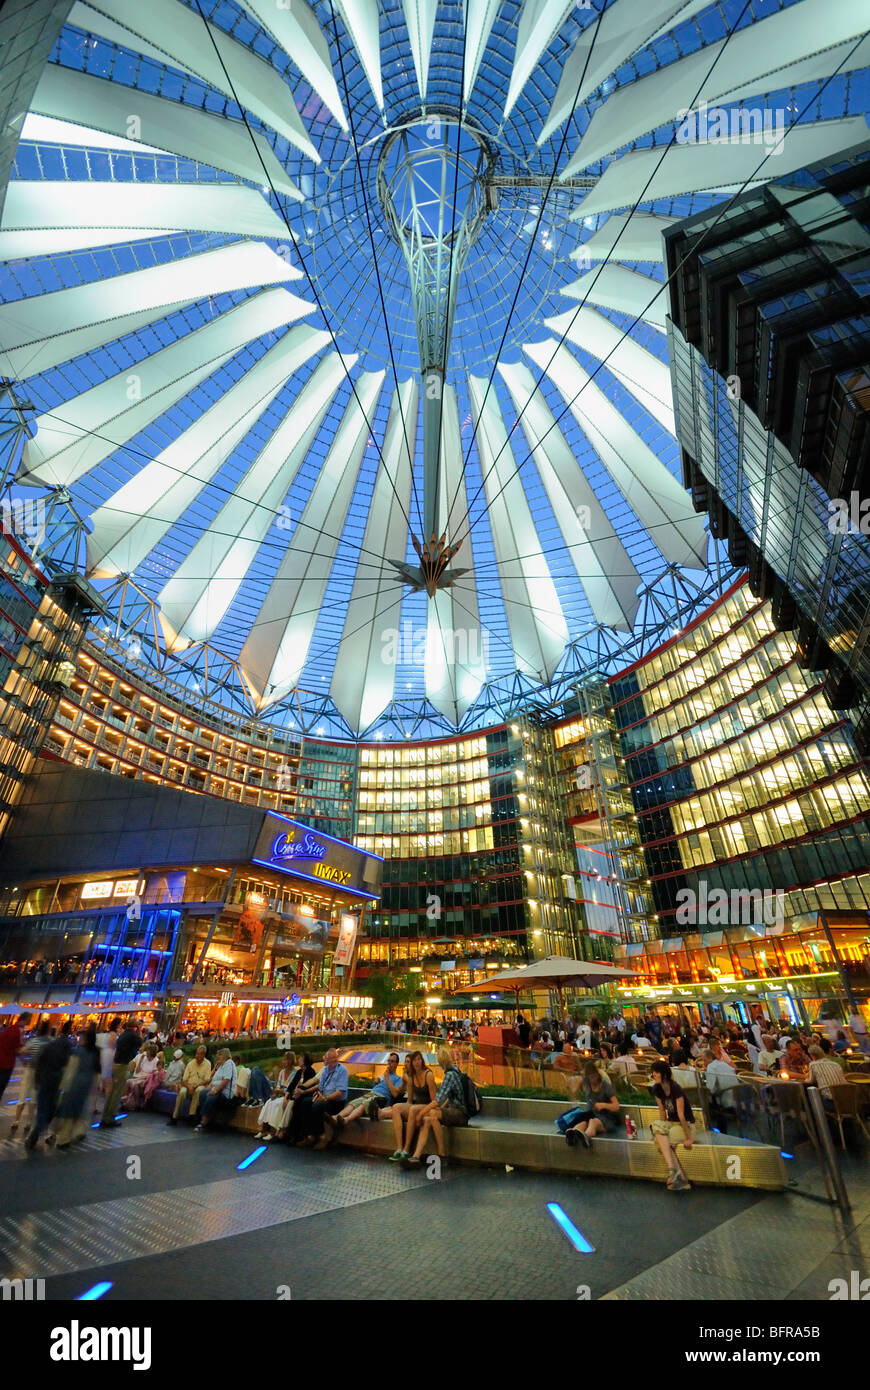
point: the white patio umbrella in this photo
(554, 972)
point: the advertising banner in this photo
(301, 935)
(346, 939)
(249, 930)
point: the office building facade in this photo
(769, 341)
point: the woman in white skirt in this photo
(269, 1118)
(275, 1114)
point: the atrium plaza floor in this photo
(184, 1223)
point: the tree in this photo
(392, 989)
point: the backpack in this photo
(473, 1097)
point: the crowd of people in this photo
(67, 1081)
(599, 1057)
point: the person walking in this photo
(106, 1043)
(27, 1091)
(75, 1099)
(50, 1067)
(126, 1049)
(10, 1045)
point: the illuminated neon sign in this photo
(286, 846)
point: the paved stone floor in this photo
(164, 1213)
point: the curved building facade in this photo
(713, 767)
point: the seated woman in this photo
(155, 1080)
(448, 1107)
(302, 1083)
(681, 1072)
(269, 1118)
(377, 1103)
(568, 1063)
(624, 1064)
(600, 1113)
(144, 1066)
(675, 1123)
(420, 1086)
(174, 1072)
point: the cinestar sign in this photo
(286, 846)
(296, 849)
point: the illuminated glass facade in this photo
(41, 629)
(770, 312)
(739, 770)
(717, 759)
(477, 855)
(745, 781)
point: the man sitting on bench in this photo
(221, 1093)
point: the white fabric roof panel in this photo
(362, 22)
(645, 376)
(535, 619)
(604, 46)
(42, 331)
(138, 515)
(629, 292)
(420, 19)
(454, 677)
(276, 648)
(600, 560)
(177, 35)
(364, 675)
(194, 601)
(479, 16)
(655, 496)
(295, 27)
(539, 23)
(143, 208)
(701, 166)
(75, 436)
(93, 104)
(766, 56)
(635, 236)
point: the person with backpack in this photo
(450, 1107)
(599, 1114)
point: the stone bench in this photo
(521, 1133)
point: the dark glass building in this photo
(770, 349)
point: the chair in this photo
(847, 1104)
(783, 1100)
(746, 1099)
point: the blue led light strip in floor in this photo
(252, 1158)
(577, 1238)
(95, 1292)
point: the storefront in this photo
(793, 971)
(220, 943)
